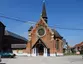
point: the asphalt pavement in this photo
(44, 60)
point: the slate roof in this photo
(14, 35)
(79, 45)
(1, 24)
(56, 34)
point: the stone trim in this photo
(59, 54)
(52, 54)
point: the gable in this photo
(39, 41)
(42, 23)
(34, 32)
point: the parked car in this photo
(7, 55)
(0, 58)
(82, 56)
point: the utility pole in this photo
(67, 47)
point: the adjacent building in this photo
(2, 28)
(78, 48)
(11, 42)
(14, 43)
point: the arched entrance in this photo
(40, 49)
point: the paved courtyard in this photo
(44, 60)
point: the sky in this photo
(61, 13)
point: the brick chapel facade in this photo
(44, 41)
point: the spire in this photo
(44, 14)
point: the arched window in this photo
(57, 44)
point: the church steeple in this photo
(44, 14)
